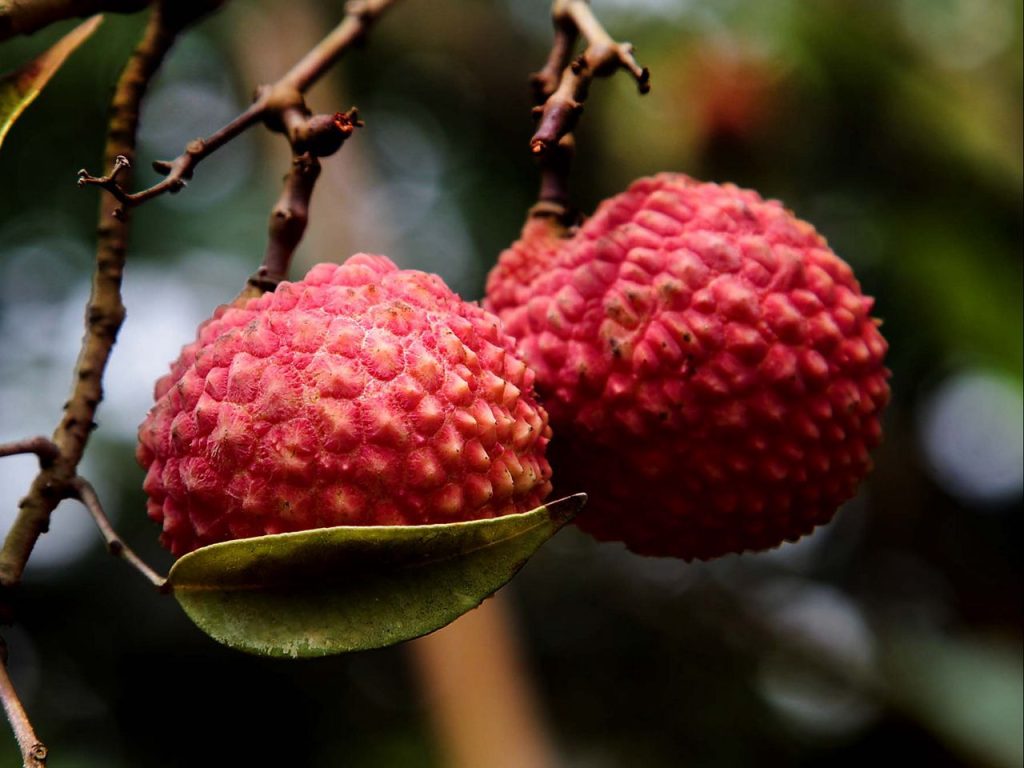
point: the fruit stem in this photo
(553, 202)
(560, 90)
(563, 103)
(310, 136)
(288, 221)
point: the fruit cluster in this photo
(711, 368)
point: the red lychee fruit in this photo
(362, 395)
(710, 366)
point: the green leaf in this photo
(18, 89)
(333, 590)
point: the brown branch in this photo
(288, 221)
(360, 15)
(42, 447)
(560, 89)
(85, 493)
(602, 57)
(546, 80)
(553, 201)
(33, 751)
(272, 104)
(24, 17)
(310, 137)
(104, 312)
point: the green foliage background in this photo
(895, 127)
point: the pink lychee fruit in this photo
(361, 395)
(711, 369)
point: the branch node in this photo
(561, 87)
(270, 103)
(45, 449)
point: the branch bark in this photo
(288, 220)
(33, 751)
(560, 89)
(42, 447)
(271, 106)
(602, 57)
(24, 17)
(104, 312)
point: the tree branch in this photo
(42, 447)
(33, 751)
(272, 105)
(602, 57)
(104, 312)
(546, 80)
(24, 17)
(288, 220)
(360, 15)
(290, 215)
(560, 88)
(85, 493)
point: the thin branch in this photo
(560, 89)
(290, 215)
(104, 312)
(602, 57)
(271, 105)
(288, 221)
(33, 751)
(360, 15)
(85, 493)
(42, 447)
(24, 17)
(546, 80)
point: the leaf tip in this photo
(565, 509)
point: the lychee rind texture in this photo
(711, 369)
(362, 395)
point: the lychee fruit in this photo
(711, 369)
(361, 395)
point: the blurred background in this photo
(892, 634)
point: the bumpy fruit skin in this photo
(362, 395)
(710, 366)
